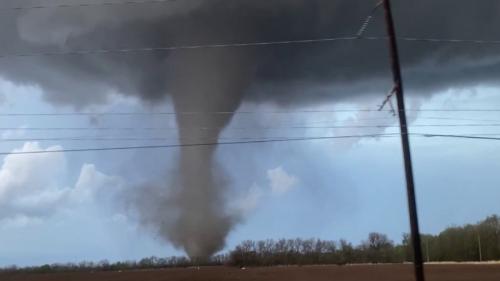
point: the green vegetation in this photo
(472, 242)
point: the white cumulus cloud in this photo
(280, 181)
(31, 188)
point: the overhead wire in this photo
(436, 40)
(259, 112)
(458, 119)
(392, 118)
(176, 48)
(230, 45)
(239, 128)
(358, 36)
(184, 145)
(84, 5)
(458, 136)
(233, 45)
(257, 141)
(118, 138)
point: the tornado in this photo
(208, 86)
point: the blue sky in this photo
(330, 189)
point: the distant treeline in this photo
(378, 249)
(473, 242)
(105, 265)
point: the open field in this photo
(442, 272)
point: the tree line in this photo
(472, 242)
(105, 265)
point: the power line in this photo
(179, 113)
(355, 126)
(173, 113)
(176, 48)
(235, 45)
(85, 5)
(191, 145)
(450, 125)
(459, 136)
(86, 139)
(256, 141)
(458, 119)
(238, 128)
(455, 110)
(138, 138)
(115, 138)
(359, 34)
(437, 40)
(313, 123)
(392, 118)
(91, 128)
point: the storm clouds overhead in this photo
(316, 71)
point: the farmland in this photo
(392, 272)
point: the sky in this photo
(129, 204)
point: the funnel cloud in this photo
(203, 81)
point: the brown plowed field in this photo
(448, 272)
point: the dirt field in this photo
(450, 272)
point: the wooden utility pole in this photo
(410, 187)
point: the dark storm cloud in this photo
(193, 214)
(279, 71)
